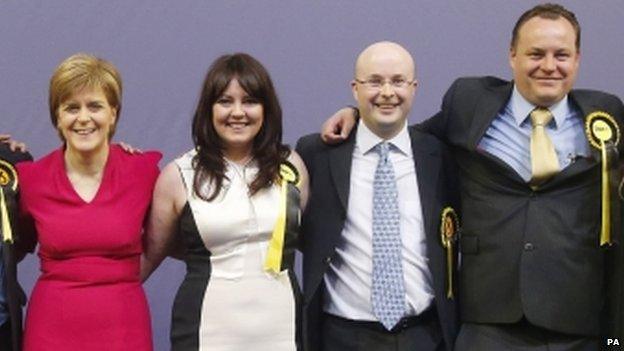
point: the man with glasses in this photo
(376, 276)
(537, 271)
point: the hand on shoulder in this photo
(14, 145)
(338, 127)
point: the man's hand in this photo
(337, 128)
(13, 144)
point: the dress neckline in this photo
(68, 184)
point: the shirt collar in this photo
(521, 108)
(366, 140)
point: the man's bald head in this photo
(385, 48)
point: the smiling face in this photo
(85, 121)
(384, 109)
(237, 118)
(545, 60)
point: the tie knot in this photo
(540, 117)
(383, 149)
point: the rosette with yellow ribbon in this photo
(603, 133)
(281, 246)
(8, 184)
(449, 228)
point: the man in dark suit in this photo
(533, 273)
(12, 297)
(363, 290)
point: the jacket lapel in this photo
(340, 158)
(427, 162)
(582, 165)
(486, 110)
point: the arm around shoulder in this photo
(338, 127)
(167, 203)
(437, 124)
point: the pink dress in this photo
(89, 296)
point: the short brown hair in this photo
(82, 71)
(548, 11)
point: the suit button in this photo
(328, 259)
(528, 247)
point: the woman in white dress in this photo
(231, 208)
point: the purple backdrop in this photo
(163, 49)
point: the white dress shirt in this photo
(348, 279)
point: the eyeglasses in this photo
(378, 83)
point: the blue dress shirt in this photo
(508, 137)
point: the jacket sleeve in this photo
(438, 123)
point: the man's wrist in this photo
(356, 112)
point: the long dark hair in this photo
(268, 150)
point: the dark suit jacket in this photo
(330, 170)
(15, 295)
(530, 253)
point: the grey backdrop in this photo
(163, 49)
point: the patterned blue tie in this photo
(388, 288)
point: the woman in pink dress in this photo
(85, 204)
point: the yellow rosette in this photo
(8, 180)
(288, 177)
(603, 133)
(449, 227)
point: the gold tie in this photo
(544, 162)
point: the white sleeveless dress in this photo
(227, 301)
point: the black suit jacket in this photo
(15, 295)
(330, 170)
(530, 253)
